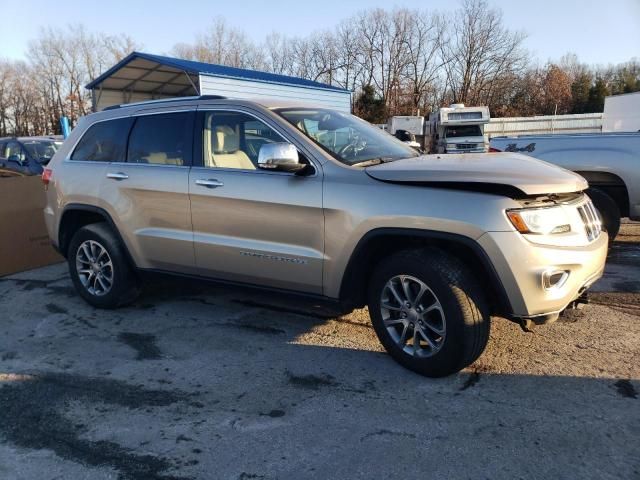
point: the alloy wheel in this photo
(94, 267)
(413, 316)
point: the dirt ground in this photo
(197, 381)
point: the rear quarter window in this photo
(104, 142)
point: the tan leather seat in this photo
(224, 149)
(161, 158)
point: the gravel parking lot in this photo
(198, 381)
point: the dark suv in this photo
(27, 155)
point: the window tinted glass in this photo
(41, 150)
(161, 139)
(15, 151)
(347, 138)
(233, 140)
(463, 131)
(104, 142)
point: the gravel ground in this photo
(197, 381)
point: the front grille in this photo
(465, 146)
(591, 220)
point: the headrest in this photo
(225, 140)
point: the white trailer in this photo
(408, 123)
(458, 129)
(622, 113)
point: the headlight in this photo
(541, 221)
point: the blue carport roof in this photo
(191, 67)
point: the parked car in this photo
(609, 162)
(433, 245)
(27, 155)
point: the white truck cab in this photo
(458, 129)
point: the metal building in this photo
(142, 76)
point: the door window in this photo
(233, 140)
(104, 142)
(164, 139)
(15, 152)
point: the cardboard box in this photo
(24, 242)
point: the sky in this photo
(600, 32)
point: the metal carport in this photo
(143, 76)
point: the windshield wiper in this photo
(373, 161)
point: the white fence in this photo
(544, 124)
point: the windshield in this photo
(41, 150)
(463, 131)
(347, 138)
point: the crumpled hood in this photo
(514, 170)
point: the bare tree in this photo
(279, 54)
(349, 56)
(424, 63)
(223, 45)
(478, 51)
(397, 62)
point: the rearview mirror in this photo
(280, 156)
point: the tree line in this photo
(36, 92)
(397, 62)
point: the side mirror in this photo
(280, 156)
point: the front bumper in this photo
(522, 266)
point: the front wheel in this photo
(428, 312)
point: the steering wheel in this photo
(351, 150)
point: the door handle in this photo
(209, 183)
(117, 176)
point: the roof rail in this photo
(165, 100)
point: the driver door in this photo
(252, 225)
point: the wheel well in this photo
(612, 185)
(72, 221)
(376, 245)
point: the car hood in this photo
(486, 172)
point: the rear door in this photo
(253, 225)
(146, 191)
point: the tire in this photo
(462, 318)
(110, 281)
(608, 209)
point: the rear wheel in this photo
(428, 312)
(608, 209)
(99, 268)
